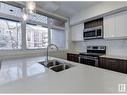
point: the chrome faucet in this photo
(48, 50)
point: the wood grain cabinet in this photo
(114, 64)
(72, 57)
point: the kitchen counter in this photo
(73, 52)
(115, 57)
(25, 75)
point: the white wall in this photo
(96, 10)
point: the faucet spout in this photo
(48, 50)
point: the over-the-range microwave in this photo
(93, 33)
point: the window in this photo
(10, 34)
(37, 36)
(58, 34)
(58, 38)
(39, 18)
(37, 29)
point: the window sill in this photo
(6, 52)
(44, 50)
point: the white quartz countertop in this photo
(73, 52)
(115, 56)
(26, 75)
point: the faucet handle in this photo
(52, 47)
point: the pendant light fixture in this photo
(30, 6)
(28, 10)
(24, 14)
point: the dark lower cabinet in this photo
(114, 64)
(72, 57)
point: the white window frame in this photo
(23, 30)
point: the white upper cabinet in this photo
(109, 26)
(115, 26)
(77, 32)
(121, 24)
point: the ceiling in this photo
(66, 9)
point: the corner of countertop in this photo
(123, 57)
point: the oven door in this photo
(88, 60)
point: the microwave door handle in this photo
(96, 32)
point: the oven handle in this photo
(94, 58)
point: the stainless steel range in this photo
(91, 57)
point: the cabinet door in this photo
(115, 25)
(121, 24)
(104, 63)
(72, 57)
(123, 66)
(114, 64)
(77, 32)
(109, 26)
(110, 64)
(69, 57)
(119, 65)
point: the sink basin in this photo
(60, 68)
(50, 63)
(56, 65)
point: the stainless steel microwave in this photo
(93, 33)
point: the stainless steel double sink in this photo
(56, 65)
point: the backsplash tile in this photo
(113, 47)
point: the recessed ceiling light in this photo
(11, 10)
